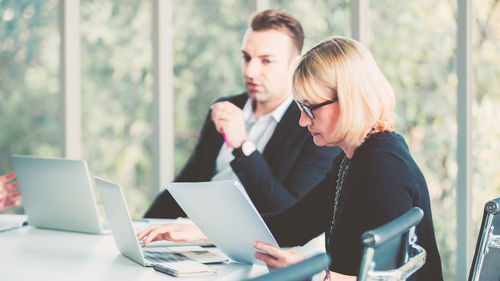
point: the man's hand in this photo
(228, 119)
(275, 257)
(172, 232)
(8, 193)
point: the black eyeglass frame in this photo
(308, 109)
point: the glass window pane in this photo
(29, 80)
(319, 18)
(414, 44)
(117, 95)
(207, 63)
(486, 132)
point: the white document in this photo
(225, 214)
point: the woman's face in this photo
(322, 127)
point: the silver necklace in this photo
(340, 182)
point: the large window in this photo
(29, 80)
(486, 132)
(319, 18)
(414, 43)
(117, 95)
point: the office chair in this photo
(303, 270)
(390, 252)
(486, 262)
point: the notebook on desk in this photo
(126, 239)
(58, 194)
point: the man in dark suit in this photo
(255, 137)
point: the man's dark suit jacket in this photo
(289, 167)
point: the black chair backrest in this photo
(300, 271)
(486, 262)
(391, 250)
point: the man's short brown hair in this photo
(281, 21)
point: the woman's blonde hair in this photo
(366, 99)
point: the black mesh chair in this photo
(390, 252)
(303, 270)
(486, 263)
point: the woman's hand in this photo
(274, 257)
(172, 232)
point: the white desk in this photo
(30, 253)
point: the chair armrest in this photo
(405, 271)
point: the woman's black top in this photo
(382, 183)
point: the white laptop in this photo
(225, 214)
(57, 194)
(126, 240)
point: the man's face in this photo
(268, 64)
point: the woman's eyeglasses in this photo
(308, 109)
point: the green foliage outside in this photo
(116, 59)
(414, 43)
(29, 80)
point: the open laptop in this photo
(126, 240)
(57, 194)
(225, 214)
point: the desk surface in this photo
(29, 253)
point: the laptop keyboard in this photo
(159, 256)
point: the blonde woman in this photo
(345, 101)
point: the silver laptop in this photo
(57, 194)
(225, 214)
(126, 240)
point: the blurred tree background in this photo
(413, 42)
(116, 60)
(29, 80)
